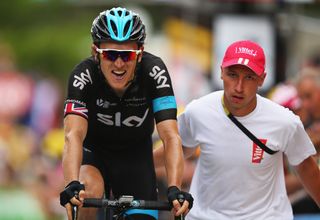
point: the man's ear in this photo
(262, 78)
(93, 49)
(140, 54)
(94, 53)
(221, 69)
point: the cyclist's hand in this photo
(72, 195)
(181, 201)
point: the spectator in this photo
(238, 177)
(308, 86)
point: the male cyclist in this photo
(113, 99)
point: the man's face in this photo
(240, 88)
(118, 72)
(309, 93)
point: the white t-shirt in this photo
(235, 179)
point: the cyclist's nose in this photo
(119, 62)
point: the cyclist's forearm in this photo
(173, 155)
(72, 158)
(158, 157)
(75, 129)
(174, 161)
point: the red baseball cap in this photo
(246, 53)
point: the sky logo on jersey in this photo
(257, 152)
(161, 80)
(75, 108)
(163, 103)
(118, 120)
(82, 80)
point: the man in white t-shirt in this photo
(234, 177)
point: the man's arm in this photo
(159, 161)
(75, 129)
(188, 151)
(172, 151)
(158, 155)
(309, 175)
(173, 160)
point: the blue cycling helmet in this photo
(118, 24)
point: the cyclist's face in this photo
(119, 72)
(240, 88)
(309, 93)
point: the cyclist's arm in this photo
(158, 155)
(75, 129)
(172, 151)
(309, 176)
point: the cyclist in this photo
(113, 99)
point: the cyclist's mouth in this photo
(118, 74)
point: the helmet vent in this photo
(126, 27)
(119, 13)
(114, 27)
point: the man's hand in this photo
(72, 195)
(181, 201)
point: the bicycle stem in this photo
(74, 212)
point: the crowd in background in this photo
(301, 95)
(31, 144)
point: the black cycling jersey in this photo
(114, 122)
(118, 140)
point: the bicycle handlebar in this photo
(125, 203)
(135, 204)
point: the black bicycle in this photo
(118, 208)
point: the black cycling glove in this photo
(175, 193)
(70, 191)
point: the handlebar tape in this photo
(96, 203)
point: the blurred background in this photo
(42, 40)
